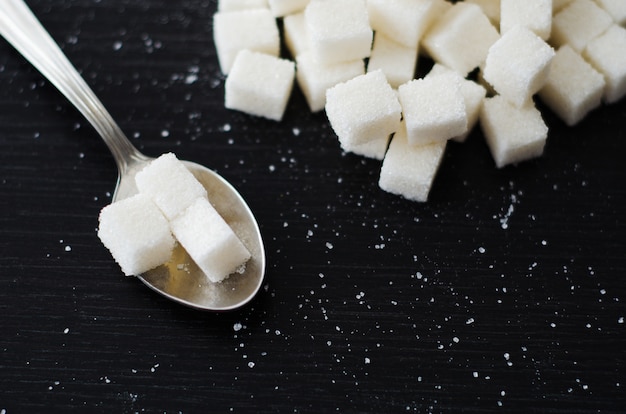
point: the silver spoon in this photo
(180, 279)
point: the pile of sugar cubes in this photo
(357, 60)
(171, 206)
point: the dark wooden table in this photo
(504, 293)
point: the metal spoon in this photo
(180, 279)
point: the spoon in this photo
(180, 279)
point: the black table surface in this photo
(503, 293)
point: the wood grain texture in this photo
(372, 303)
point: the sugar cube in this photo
(251, 29)
(259, 84)
(403, 21)
(616, 8)
(607, 53)
(433, 109)
(461, 38)
(513, 134)
(170, 185)
(374, 149)
(136, 233)
(535, 15)
(363, 109)
(577, 23)
(398, 62)
(339, 30)
(209, 240)
(281, 8)
(315, 78)
(473, 96)
(232, 5)
(491, 8)
(518, 64)
(295, 34)
(409, 170)
(573, 87)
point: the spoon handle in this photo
(20, 27)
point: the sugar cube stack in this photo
(518, 64)
(460, 38)
(363, 109)
(433, 109)
(513, 133)
(209, 240)
(136, 233)
(250, 29)
(339, 30)
(573, 88)
(169, 184)
(358, 60)
(409, 170)
(259, 84)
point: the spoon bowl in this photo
(180, 279)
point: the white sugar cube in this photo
(573, 88)
(616, 8)
(607, 53)
(253, 29)
(281, 8)
(577, 23)
(259, 84)
(491, 8)
(136, 233)
(473, 96)
(339, 30)
(295, 34)
(363, 109)
(433, 109)
(461, 38)
(513, 134)
(518, 64)
(404, 21)
(409, 170)
(535, 15)
(209, 240)
(374, 149)
(170, 185)
(315, 78)
(233, 5)
(398, 62)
